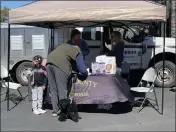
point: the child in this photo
(38, 83)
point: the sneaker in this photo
(54, 114)
(41, 111)
(36, 112)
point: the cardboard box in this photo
(95, 68)
(101, 58)
(110, 65)
(102, 66)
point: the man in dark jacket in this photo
(60, 64)
(76, 40)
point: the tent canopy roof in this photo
(85, 13)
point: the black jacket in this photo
(38, 76)
(118, 52)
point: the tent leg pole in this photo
(52, 39)
(8, 66)
(154, 52)
(162, 107)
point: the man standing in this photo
(60, 64)
(76, 40)
(117, 48)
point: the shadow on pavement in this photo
(114, 108)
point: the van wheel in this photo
(169, 74)
(21, 72)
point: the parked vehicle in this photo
(26, 42)
(141, 51)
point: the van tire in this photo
(170, 66)
(20, 75)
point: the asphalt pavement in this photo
(20, 118)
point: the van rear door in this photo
(36, 42)
(17, 47)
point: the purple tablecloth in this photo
(102, 90)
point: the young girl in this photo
(38, 83)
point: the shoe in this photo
(41, 111)
(36, 112)
(54, 114)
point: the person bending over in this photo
(38, 82)
(60, 64)
(76, 40)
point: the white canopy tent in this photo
(85, 13)
(59, 14)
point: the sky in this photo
(14, 4)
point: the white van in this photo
(141, 52)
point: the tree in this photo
(171, 15)
(163, 2)
(4, 14)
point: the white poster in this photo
(38, 42)
(16, 42)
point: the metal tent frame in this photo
(53, 25)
